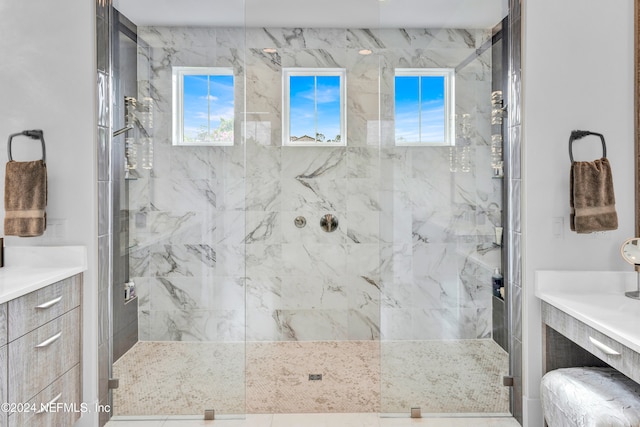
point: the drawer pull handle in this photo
(48, 342)
(49, 303)
(606, 349)
(48, 405)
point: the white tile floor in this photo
(318, 420)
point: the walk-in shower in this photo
(310, 215)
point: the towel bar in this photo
(577, 134)
(33, 134)
(123, 130)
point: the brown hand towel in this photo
(591, 197)
(25, 198)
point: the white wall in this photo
(47, 81)
(577, 74)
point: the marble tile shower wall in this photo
(211, 223)
(514, 183)
(105, 275)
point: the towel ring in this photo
(577, 134)
(33, 134)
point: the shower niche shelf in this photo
(127, 301)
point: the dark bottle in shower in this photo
(496, 282)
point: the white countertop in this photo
(29, 268)
(597, 299)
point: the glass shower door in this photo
(443, 207)
(312, 288)
(187, 226)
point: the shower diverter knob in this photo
(329, 223)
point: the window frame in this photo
(449, 103)
(177, 81)
(287, 72)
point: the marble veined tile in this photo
(363, 227)
(263, 227)
(363, 195)
(313, 58)
(307, 292)
(318, 193)
(310, 38)
(178, 36)
(312, 325)
(205, 217)
(325, 260)
(363, 162)
(182, 260)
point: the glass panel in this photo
(432, 106)
(221, 108)
(186, 229)
(195, 104)
(302, 94)
(407, 108)
(328, 108)
(391, 310)
(440, 322)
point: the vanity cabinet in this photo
(594, 347)
(32, 310)
(3, 361)
(43, 355)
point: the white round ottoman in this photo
(590, 397)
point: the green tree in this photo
(202, 134)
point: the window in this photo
(424, 106)
(203, 106)
(314, 110)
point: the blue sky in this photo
(314, 106)
(199, 108)
(413, 110)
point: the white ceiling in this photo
(317, 13)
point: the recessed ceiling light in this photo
(365, 52)
(269, 50)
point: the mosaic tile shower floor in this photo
(184, 378)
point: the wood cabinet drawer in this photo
(39, 307)
(608, 350)
(3, 383)
(62, 398)
(3, 324)
(39, 357)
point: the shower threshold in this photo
(315, 420)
